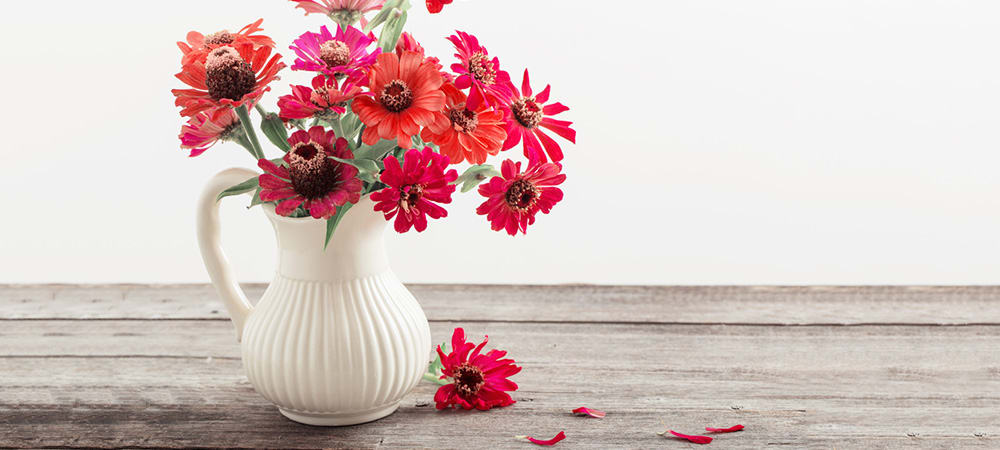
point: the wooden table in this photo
(800, 367)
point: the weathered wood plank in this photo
(468, 303)
(180, 383)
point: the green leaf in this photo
(256, 199)
(391, 31)
(241, 188)
(386, 12)
(474, 175)
(434, 369)
(367, 169)
(331, 223)
(275, 130)
(375, 152)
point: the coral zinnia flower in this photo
(435, 6)
(406, 96)
(343, 53)
(415, 188)
(198, 45)
(515, 198)
(473, 134)
(341, 11)
(489, 84)
(309, 178)
(327, 98)
(230, 76)
(203, 130)
(407, 43)
(478, 380)
(527, 115)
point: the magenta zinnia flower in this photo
(327, 98)
(415, 188)
(343, 53)
(527, 115)
(205, 129)
(513, 199)
(489, 84)
(309, 178)
(477, 380)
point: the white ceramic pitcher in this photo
(336, 338)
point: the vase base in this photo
(340, 419)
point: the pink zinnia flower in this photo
(415, 188)
(309, 178)
(527, 115)
(341, 11)
(514, 198)
(343, 53)
(489, 84)
(477, 380)
(203, 130)
(327, 98)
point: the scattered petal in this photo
(724, 430)
(559, 437)
(695, 439)
(590, 412)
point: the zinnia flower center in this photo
(335, 53)
(227, 75)
(464, 120)
(527, 112)
(313, 174)
(396, 96)
(409, 196)
(521, 195)
(481, 68)
(468, 380)
(221, 38)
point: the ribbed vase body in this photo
(336, 339)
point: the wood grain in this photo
(795, 376)
(575, 303)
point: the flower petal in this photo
(694, 439)
(549, 442)
(724, 430)
(590, 412)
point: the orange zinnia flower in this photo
(230, 76)
(406, 95)
(472, 134)
(198, 45)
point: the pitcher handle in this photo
(216, 263)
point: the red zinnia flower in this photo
(435, 6)
(203, 130)
(326, 98)
(489, 84)
(527, 115)
(198, 45)
(414, 188)
(343, 53)
(309, 178)
(515, 198)
(478, 380)
(406, 95)
(407, 43)
(230, 76)
(473, 134)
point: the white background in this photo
(720, 141)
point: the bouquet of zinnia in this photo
(379, 118)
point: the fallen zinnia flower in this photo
(590, 412)
(695, 439)
(559, 437)
(724, 430)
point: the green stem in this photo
(433, 379)
(242, 140)
(244, 116)
(260, 110)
